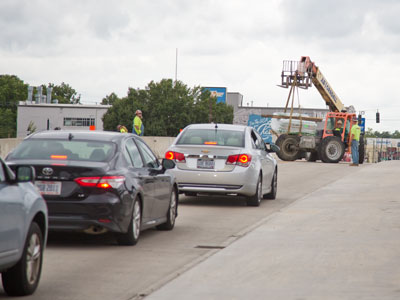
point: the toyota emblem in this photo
(47, 171)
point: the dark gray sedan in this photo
(97, 182)
(23, 230)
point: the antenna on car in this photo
(70, 136)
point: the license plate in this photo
(49, 187)
(205, 164)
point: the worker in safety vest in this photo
(138, 127)
(355, 140)
(122, 129)
(338, 129)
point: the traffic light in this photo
(377, 117)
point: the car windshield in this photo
(212, 137)
(64, 150)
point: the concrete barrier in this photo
(158, 144)
(7, 145)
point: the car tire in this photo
(23, 278)
(274, 187)
(255, 200)
(131, 237)
(171, 213)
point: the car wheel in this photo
(131, 237)
(23, 278)
(172, 212)
(255, 200)
(274, 187)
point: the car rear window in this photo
(64, 150)
(212, 137)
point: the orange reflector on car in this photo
(210, 143)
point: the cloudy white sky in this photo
(101, 46)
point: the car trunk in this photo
(56, 180)
(206, 158)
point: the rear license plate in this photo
(49, 187)
(205, 164)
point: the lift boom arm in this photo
(304, 70)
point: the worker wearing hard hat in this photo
(338, 129)
(355, 139)
(122, 129)
(138, 127)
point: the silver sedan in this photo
(224, 159)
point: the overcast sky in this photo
(101, 46)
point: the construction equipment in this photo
(329, 145)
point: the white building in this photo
(45, 116)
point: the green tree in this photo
(369, 133)
(64, 93)
(12, 90)
(167, 107)
(396, 135)
(8, 128)
(110, 99)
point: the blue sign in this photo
(362, 125)
(218, 92)
(262, 125)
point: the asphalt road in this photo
(95, 267)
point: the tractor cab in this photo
(339, 124)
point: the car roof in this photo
(110, 136)
(218, 126)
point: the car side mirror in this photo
(25, 173)
(272, 148)
(167, 164)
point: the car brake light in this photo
(104, 182)
(175, 156)
(239, 160)
(58, 156)
(210, 143)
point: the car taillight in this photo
(62, 157)
(239, 160)
(105, 182)
(175, 156)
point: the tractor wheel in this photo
(361, 150)
(331, 150)
(288, 147)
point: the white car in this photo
(23, 230)
(224, 159)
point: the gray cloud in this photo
(358, 26)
